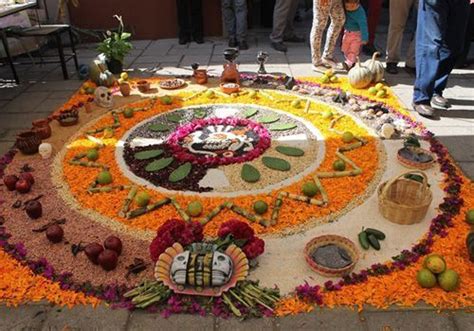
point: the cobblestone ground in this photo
(43, 89)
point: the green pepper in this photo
(377, 233)
(363, 240)
(373, 242)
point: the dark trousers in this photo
(373, 9)
(468, 38)
(439, 42)
(189, 18)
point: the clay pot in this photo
(28, 142)
(125, 89)
(42, 128)
(88, 107)
(201, 76)
(68, 117)
(143, 86)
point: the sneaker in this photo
(369, 49)
(294, 39)
(423, 109)
(391, 68)
(330, 63)
(346, 66)
(440, 101)
(233, 43)
(281, 47)
(243, 46)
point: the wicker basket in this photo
(417, 165)
(405, 201)
(343, 242)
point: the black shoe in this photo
(346, 66)
(281, 47)
(184, 40)
(233, 43)
(423, 109)
(440, 101)
(199, 40)
(391, 68)
(243, 46)
(369, 49)
(294, 39)
(410, 70)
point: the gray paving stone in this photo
(49, 105)
(63, 95)
(141, 44)
(467, 168)
(86, 318)
(8, 135)
(187, 60)
(20, 120)
(464, 321)
(60, 85)
(4, 147)
(25, 105)
(337, 319)
(27, 317)
(234, 324)
(409, 321)
(146, 321)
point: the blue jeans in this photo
(440, 35)
(234, 13)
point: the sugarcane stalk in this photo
(180, 210)
(224, 95)
(88, 164)
(276, 207)
(229, 303)
(338, 174)
(350, 147)
(324, 194)
(143, 210)
(239, 299)
(79, 156)
(266, 95)
(105, 189)
(128, 201)
(308, 106)
(347, 160)
(302, 198)
(206, 219)
(249, 216)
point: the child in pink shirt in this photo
(356, 32)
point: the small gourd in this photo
(99, 73)
(376, 68)
(359, 76)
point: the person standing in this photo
(399, 13)
(322, 11)
(356, 32)
(283, 29)
(373, 9)
(440, 34)
(463, 61)
(234, 13)
(189, 21)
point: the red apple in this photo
(10, 182)
(34, 209)
(92, 251)
(23, 186)
(114, 244)
(108, 259)
(55, 233)
(28, 176)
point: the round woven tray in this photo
(417, 165)
(405, 201)
(343, 242)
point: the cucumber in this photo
(373, 241)
(363, 240)
(377, 233)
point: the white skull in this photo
(45, 150)
(103, 97)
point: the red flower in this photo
(192, 233)
(254, 248)
(238, 230)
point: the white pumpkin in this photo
(376, 68)
(359, 76)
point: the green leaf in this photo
(276, 163)
(249, 173)
(175, 118)
(159, 127)
(269, 119)
(282, 126)
(250, 112)
(180, 173)
(289, 151)
(125, 35)
(145, 155)
(200, 113)
(159, 164)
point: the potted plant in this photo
(115, 46)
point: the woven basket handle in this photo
(392, 181)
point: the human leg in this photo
(373, 17)
(289, 28)
(320, 20)
(454, 43)
(398, 11)
(280, 14)
(228, 16)
(351, 43)
(184, 26)
(240, 7)
(196, 20)
(338, 17)
(462, 61)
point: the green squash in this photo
(99, 73)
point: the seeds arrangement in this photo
(181, 197)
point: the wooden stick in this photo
(128, 201)
(276, 207)
(143, 210)
(250, 216)
(302, 198)
(324, 194)
(180, 210)
(206, 219)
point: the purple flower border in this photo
(184, 155)
(113, 293)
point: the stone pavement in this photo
(43, 89)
